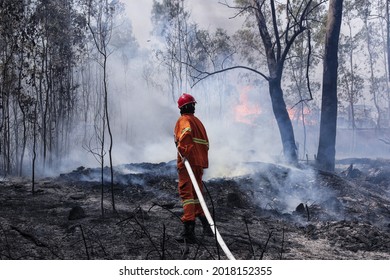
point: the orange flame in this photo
(246, 111)
(296, 114)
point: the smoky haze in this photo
(143, 111)
(238, 119)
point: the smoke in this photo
(143, 113)
(284, 189)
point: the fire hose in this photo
(206, 211)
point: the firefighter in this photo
(192, 144)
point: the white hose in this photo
(206, 211)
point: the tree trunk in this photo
(388, 35)
(275, 66)
(283, 120)
(327, 142)
(387, 20)
(108, 127)
(373, 82)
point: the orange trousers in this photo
(191, 205)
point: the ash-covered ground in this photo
(272, 212)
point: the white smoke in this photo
(143, 114)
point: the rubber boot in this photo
(188, 233)
(206, 226)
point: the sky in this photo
(208, 13)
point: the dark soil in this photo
(275, 212)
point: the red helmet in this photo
(185, 99)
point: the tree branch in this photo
(242, 9)
(276, 31)
(204, 74)
(308, 65)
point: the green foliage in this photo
(166, 15)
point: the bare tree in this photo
(100, 24)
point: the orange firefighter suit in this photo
(192, 143)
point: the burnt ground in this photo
(273, 212)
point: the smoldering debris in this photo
(275, 212)
(123, 174)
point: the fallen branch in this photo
(165, 208)
(266, 245)
(282, 247)
(243, 239)
(148, 236)
(163, 244)
(214, 219)
(85, 242)
(33, 239)
(29, 237)
(125, 219)
(249, 237)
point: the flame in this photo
(246, 111)
(296, 114)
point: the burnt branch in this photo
(148, 236)
(215, 223)
(205, 74)
(185, 252)
(125, 219)
(282, 245)
(163, 243)
(208, 251)
(249, 238)
(308, 64)
(35, 240)
(29, 237)
(197, 250)
(241, 11)
(386, 141)
(98, 241)
(85, 242)
(165, 207)
(266, 245)
(301, 101)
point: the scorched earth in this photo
(271, 212)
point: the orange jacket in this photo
(191, 141)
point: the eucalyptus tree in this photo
(170, 22)
(39, 41)
(302, 88)
(272, 30)
(207, 50)
(187, 48)
(55, 60)
(11, 19)
(328, 126)
(100, 17)
(374, 15)
(350, 81)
